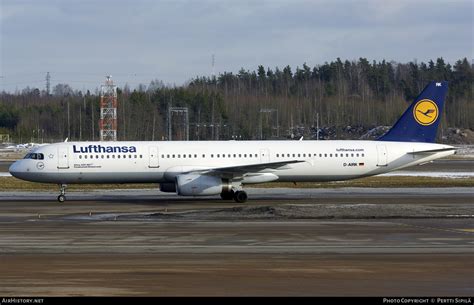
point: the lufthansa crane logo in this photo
(425, 112)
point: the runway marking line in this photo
(451, 230)
(467, 230)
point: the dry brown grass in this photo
(11, 183)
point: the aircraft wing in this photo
(240, 170)
(431, 151)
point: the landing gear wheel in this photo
(240, 196)
(62, 193)
(227, 195)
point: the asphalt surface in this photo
(283, 242)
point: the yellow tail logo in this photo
(425, 112)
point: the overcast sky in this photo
(136, 41)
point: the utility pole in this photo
(213, 97)
(92, 120)
(272, 112)
(317, 126)
(48, 83)
(80, 123)
(180, 112)
(153, 129)
(68, 122)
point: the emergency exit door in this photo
(153, 157)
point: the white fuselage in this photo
(158, 162)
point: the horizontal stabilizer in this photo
(431, 151)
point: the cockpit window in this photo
(35, 156)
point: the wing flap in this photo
(240, 170)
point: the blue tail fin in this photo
(420, 121)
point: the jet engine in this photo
(201, 185)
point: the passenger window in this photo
(352, 155)
(212, 155)
(113, 156)
(245, 155)
(118, 156)
(278, 155)
(362, 155)
(218, 155)
(347, 155)
(235, 155)
(162, 156)
(102, 156)
(357, 155)
(195, 156)
(85, 156)
(240, 155)
(203, 155)
(325, 155)
(179, 156)
(80, 157)
(184, 155)
(108, 156)
(135, 156)
(335, 155)
(173, 156)
(141, 156)
(168, 156)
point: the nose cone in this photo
(16, 170)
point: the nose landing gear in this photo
(62, 193)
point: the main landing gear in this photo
(238, 196)
(62, 193)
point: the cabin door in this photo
(381, 155)
(63, 157)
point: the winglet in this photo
(420, 121)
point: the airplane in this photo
(203, 168)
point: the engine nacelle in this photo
(168, 187)
(201, 185)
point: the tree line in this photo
(264, 103)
